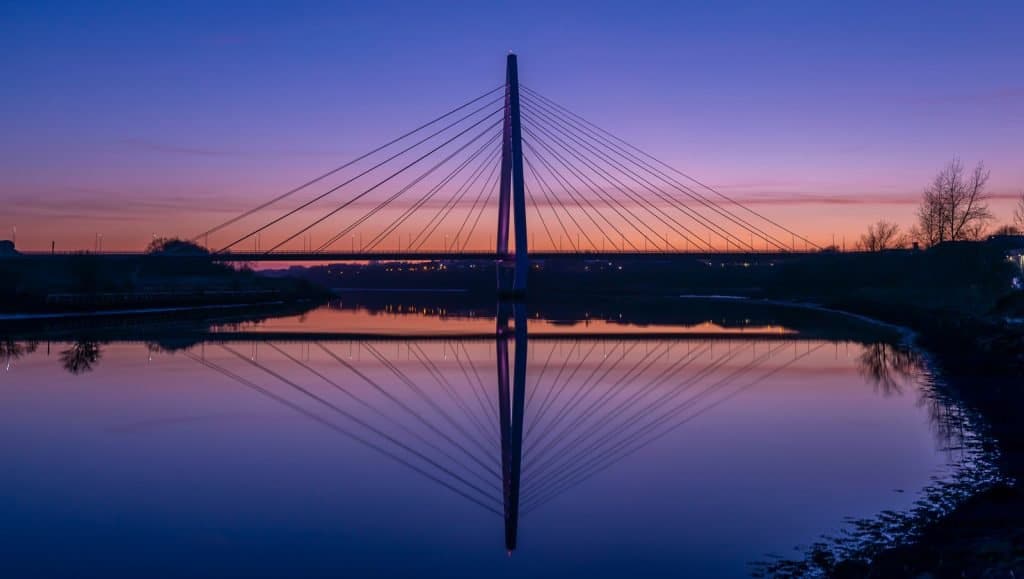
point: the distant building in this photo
(1013, 248)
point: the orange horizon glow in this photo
(824, 221)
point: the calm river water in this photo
(403, 440)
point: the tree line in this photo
(954, 207)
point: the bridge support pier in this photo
(512, 192)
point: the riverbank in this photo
(979, 358)
(86, 284)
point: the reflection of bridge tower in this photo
(511, 415)
(512, 188)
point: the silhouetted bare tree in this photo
(1006, 230)
(954, 206)
(881, 235)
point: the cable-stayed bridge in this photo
(509, 175)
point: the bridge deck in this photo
(342, 256)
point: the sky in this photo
(134, 119)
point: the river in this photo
(393, 438)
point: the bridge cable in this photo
(667, 166)
(392, 176)
(609, 200)
(425, 199)
(651, 208)
(302, 206)
(340, 167)
(571, 190)
(553, 200)
(550, 203)
(483, 207)
(568, 126)
(635, 197)
(533, 203)
(487, 186)
(442, 214)
(409, 211)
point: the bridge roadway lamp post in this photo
(512, 192)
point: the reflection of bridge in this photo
(512, 155)
(515, 444)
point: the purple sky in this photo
(129, 119)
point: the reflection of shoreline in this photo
(132, 312)
(403, 318)
(908, 335)
(402, 314)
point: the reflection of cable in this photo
(575, 398)
(347, 433)
(430, 425)
(546, 403)
(382, 414)
(449, 389)
(355, 419)
(576, 444)
(591, 410)
(587, 454)
(481, 401)
(530, 390)
(430, 401)
(623, 450)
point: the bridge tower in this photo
(512, 190)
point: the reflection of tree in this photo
(887, 366)
(11, 350)
(81, 357)
(947, 418)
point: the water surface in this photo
(421, 441)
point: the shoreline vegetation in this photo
(171, 275)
